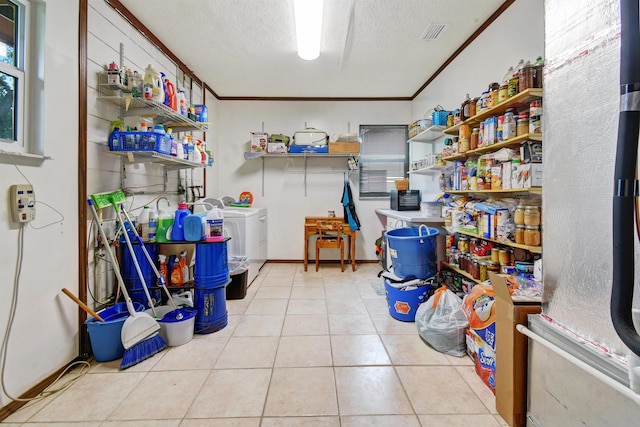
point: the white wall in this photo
(44, 334)
(284, 193)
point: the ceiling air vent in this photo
(432, 31)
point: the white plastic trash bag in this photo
(441, 322)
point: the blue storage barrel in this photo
(413, 251)
(212, 265)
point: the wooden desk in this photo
(310, 230)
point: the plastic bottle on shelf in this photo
(464, 109)
(165, 91)
(177, 231)
(163, 269)
(215, 225)
(165, 222)
(185, 267)
(185, 147)
(190, 149)
(153, 224)
(537, 71)
(176, 274)
(143, 224)
(513, 85)
(153, 86)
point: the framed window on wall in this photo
(384, 157)
(22, 29)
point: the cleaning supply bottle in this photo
(197, 154)
(153, 224)
(163, 269)
(176, 274)
(185, 267)
(153, 85)
(171, 95)
(215, 225)
(177, 231)
(143, 224)
(165, 98)
(165, 221)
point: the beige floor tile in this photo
(238, 306)
(100, 395)
(282, 270)
(460, 361)
(233, 320)
(277, 281)
(387, 325)
(350, 324)
(307, 292)
(382, 421)
(301, 422)
(248, 352)
(370, 391)
(267, 306)
(366, 291)
(303, 351)
(161, 395)
(232, 393)
(140, 423)
(468, 373)
(345, 306)
(266, 325)
(305, 324)
(453, 394)
(340, 290)
(301, 392)
(273, 292)
(477, 420)
(376, 305)
(411, 350)
(199, 353)
(307, 306)
(65, 424)
(307, 280)
(358, 350)
(222, 422)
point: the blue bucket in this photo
(211, 304)
(212, 264)
(413, 256)
(128, 266)
(105, 337)
(403, 304)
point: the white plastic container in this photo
(152, 85)
(431, 209)
(143, 224)
(215, 225)
(177, 328)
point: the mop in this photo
(140, 332)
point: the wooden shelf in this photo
(518, 100)
(534, 190)
(533, 249)
(462, 272)
(429, 134)
(511, 142)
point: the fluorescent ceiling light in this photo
(308, 15)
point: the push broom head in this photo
(140, 339)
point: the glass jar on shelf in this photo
(532, 215)
(520, 234)
(532, 235)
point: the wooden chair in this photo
(329, 236)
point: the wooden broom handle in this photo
(84, 306)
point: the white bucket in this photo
(175, 331)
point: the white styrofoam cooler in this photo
(310, 137)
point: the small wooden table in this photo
(310, 230)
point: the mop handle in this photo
(112, 258)
(135, 261)
(161, 279)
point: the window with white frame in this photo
(21, 75)
(384, 158)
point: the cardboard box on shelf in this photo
(259, 142)
(352, 147)
(532, 175)
(511, 352)
(276, 148)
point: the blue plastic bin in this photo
(404, 304)
(413, 255)
(211, 269)
(211, 304)
(106, 342)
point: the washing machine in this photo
(247, 228)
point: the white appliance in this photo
(247, 228)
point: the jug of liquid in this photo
(152, 85)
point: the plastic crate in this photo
(140, 141)
(439, 118)
(315, 149)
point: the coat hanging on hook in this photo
(350, 215)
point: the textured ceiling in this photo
(370, 48)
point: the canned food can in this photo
(535, 108)
(535, 124)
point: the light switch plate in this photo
(23, 203)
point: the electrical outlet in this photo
(23, 203)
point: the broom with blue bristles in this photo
(140, 332)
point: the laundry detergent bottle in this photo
(163, 228)
(177, 231)
(153, 85)
(215, 225)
